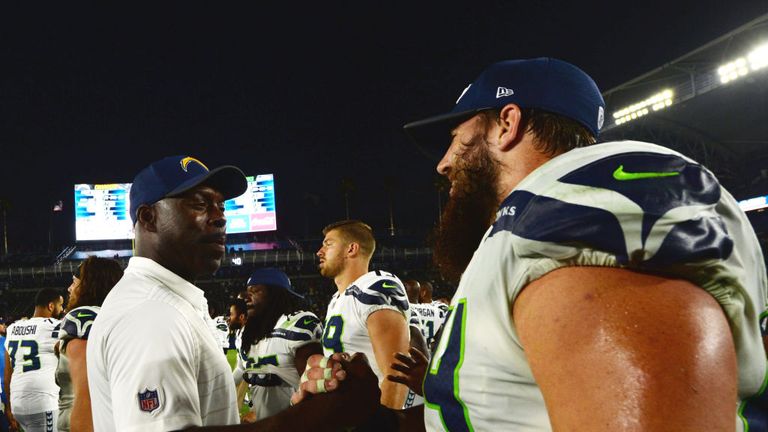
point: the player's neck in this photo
(517, 164)
(350, 274)
(41, 313)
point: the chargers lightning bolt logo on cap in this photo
(184, 162)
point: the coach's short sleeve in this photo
(162, 393)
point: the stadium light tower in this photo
(656, 102)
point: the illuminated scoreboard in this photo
(255, 209)
(756, 203)
(102, 211)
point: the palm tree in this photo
(5, 206)
(347, 187)
(390, 184)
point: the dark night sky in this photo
(313, 94)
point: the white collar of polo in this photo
(176, 283)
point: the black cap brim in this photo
(432, 135)
(227, 179)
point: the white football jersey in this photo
(221, 328)
(431, 315)
(30, 347)
(346, 329)
(269, 367)
(588, 207)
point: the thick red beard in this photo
(469, 212)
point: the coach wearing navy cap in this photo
(152, 360)
(154, 363)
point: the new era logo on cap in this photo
(503, 91)
(543, 83)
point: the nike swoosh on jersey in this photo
(84, 314)
(307, 321)
(622, 175)
(386, 285)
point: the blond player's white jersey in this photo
(622, 204)
(30, 347)
(346, 328)
(269, 365)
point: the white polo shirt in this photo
(154, 363)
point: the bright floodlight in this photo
(758, 58)
(656, 102)
(733, 70)
(755, 60)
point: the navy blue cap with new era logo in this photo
(272, 277)
(175, 175)
(543, 83)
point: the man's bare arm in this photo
(7, 375)
(418, 341)
(303, 353)
(388, 331)
(81, 418)
(613, 349)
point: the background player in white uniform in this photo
(91, 282)
(238, 317)
(431, 315)
(275, 343)
(30, 365)
(603, 266)
(369, 311)
(220, 325)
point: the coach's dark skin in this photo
(185, 234)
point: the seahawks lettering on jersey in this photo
(346, 326)
(30, 346)
(622, 204)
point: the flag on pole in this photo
(58, 206)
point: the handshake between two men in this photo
(351, 390)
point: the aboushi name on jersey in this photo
(30, 345)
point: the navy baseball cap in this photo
(175, 175)
(272, 277)
(543, 83)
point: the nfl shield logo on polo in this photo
(149, 400)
